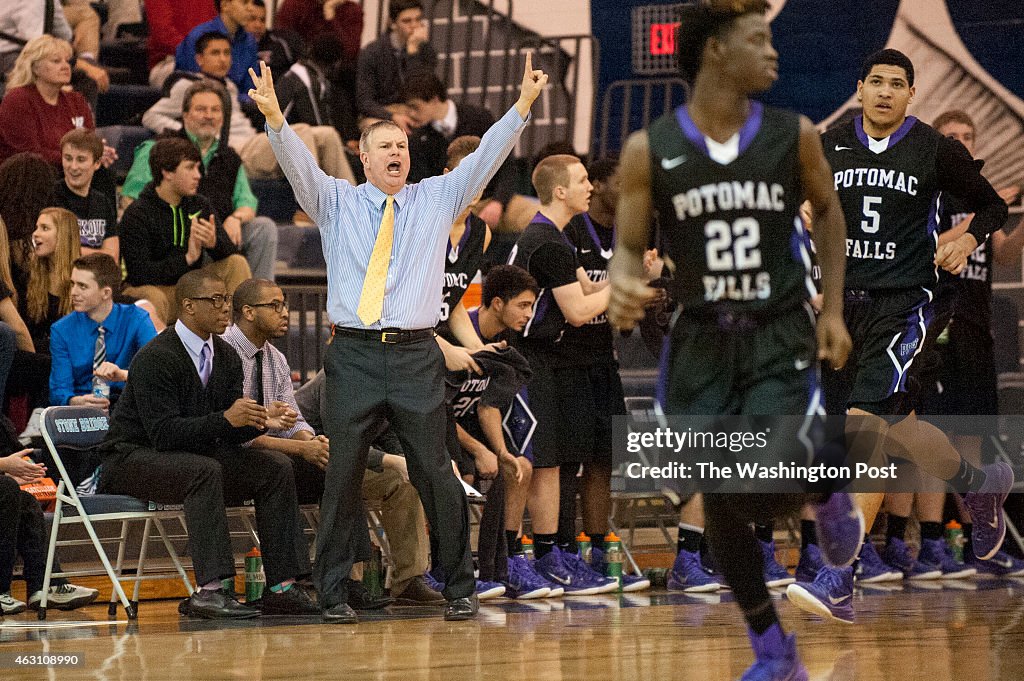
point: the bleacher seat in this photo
(277, 201)
(124, 102)
(124, 138)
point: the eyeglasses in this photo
(217, 301)
(277, 305)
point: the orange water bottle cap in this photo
(953, 525)
(255, 553)
(611, 536)
(527, 540)
(582, 536)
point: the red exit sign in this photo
(663, 38)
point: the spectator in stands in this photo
(36, 110)
(213, 52)
(342, 20)
(176, 438)
(85, 30)
(438, 120)
(76, 358)
(20, 22)
(26, 188)
(223, 178)
(313, 18)
(308, 94)
(81, 152)
(261, 315)
(230, 22)
(23, 531)
(280, 47)
(121, 12)
(25, 371)
(171, 230)
(386, 63)
(169, 22)
(44, 295)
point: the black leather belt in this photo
(389, 336)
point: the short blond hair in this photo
(36, 50)
(552, 172)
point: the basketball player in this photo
(470, 236)
(726, 177)
(589, 347)
(892, 172)
(567, 297)
(508, 295)
(966, 363)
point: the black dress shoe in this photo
(459, 609)
(294, 601)
(215, 605)
(418, 592)
(341, 613)
(360, 599)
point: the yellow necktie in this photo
(371, 300)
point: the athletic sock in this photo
(762, 617)
(968, 477)
(689, 538)
(515, 544)
(808, 533)
(543, 544)
(283, 586)
(896, 527)
(931, 530)
(763, 532)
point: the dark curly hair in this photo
(27, 186)
(707, 19)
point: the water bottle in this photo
(584, 547)
(955, 539)
(255, 579)
(373, 573)
(100, 388)
(613, 557)
(527, 547)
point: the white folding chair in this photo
(79, 429)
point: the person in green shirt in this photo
(224, 180)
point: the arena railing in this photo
(629, 105)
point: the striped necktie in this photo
(99, 355)
(371, 301)
(205, 364)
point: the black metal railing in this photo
(308, 329)
(629, 105)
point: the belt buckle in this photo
(384, 337)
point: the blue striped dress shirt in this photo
(349, 218)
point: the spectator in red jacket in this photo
(39, 106)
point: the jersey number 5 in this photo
(733, 247)
(871, 214)
(445, 308)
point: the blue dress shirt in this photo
(73, 341)
(349, 218)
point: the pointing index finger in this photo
(529, 63)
